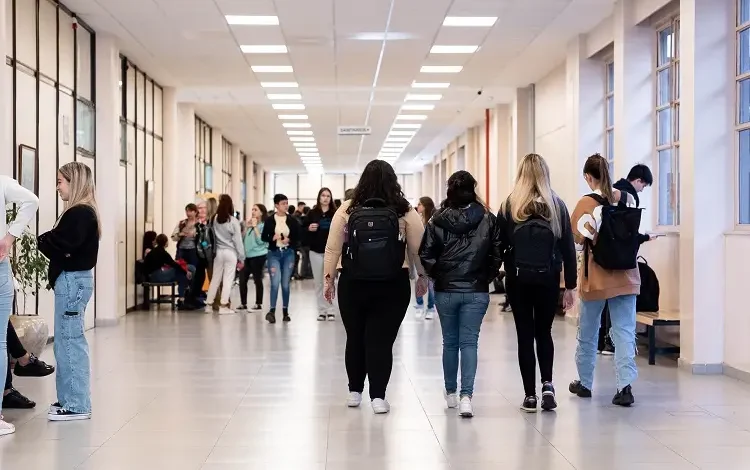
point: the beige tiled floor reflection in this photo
(193, 391)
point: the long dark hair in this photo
(225, 210)
(263, 211)
(597, 167)
(331, 204)
(379, 181)
(461, 191)
(428, 210)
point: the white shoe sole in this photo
(7, 431)
(81, 417)
(529, 410)
(466, 413)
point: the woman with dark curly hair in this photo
(370, 237)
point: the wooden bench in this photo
(152, 294)
(653, 321)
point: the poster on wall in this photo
(28, 168)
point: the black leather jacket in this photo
(461, 249)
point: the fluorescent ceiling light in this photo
(304, 144)
(293, 117)
(441, 68)
(263, 49)
(404, 125)
(310, 159)
(411, 117)
(385, 153)
(393, 146)
(418, 107)
(393, 140)
(253, 20)
(284, 96)
(386, 36)
(429, 85)
(272, 68)
(297, 125)
(309, 154)
(453, 49)
(288, 106)
(302, 139)
(410, 133)
(475, 21)
(279, 84)
(292, 133)
(417, 97)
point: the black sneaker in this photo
(624, 397)
(529, 404)
(322, 317)
(577, 388)
(287, 318)
(65, 415)
(35, 368)
(609, 347)
(271, 317)
(256, 308)
(242, 307)
(548, 397)
(17, 401)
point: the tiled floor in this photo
(194, 391)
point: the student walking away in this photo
(317, 225)
(72, 247)
(535, 228)
(368, 243)
(461, 252)
(256, 251)
(304, 267)
(27, 365)
(230, 253)
(159, 266)
(26, 206)
(282, 233)
(426, 209)
(605, 226)
(184, 235)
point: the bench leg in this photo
(174, 298)
(146, 297)
(651, 345)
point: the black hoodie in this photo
(627, 186)
(461, 249)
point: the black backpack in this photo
(617, 241)
(375, 250)
(532, 243)
(205, 240)
(648, 299)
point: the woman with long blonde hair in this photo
(538, 241)
(72, 247)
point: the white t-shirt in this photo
(281, 229)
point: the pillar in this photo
(250, 184)
(184, 162)
(502, 172)
(235, 189)
(706, 166)
(6, 142)
(172, 200)
(522, 116)
(217, 164)
(108, 151)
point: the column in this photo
(173, 203)
(706, 165)
(185, 187)
(502, 172)
(522, 116)
(217, 153)
(108, 106)
(6, 142)
(250, 183)
(235, 189)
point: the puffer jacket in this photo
(461, 249)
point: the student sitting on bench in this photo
(160, 267)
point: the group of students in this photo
(72, 249)
(377, 241)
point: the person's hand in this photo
(5, 245)
(285, 241)
(568, 299)
(240, 265)
(421, 286)
(252, 223)
(189, 275)
(313, 227)
(330, 290)
(276, 237)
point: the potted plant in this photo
(29, 267)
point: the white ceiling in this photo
(188, 44)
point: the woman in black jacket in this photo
(461, 251)
(316, 225)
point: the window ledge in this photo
(737, 233)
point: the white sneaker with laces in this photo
(354, 400)
(430, 314)
(225, 311)
(418, 311)
(464, 408)
(380, 406)
(451, 399)
(6, 428)
(54, 407)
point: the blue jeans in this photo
(172, 275)
(622, 315)
(6, 307)
(461, 317)
(280, 267)
(430, 296)
(72, 293)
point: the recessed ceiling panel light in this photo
(263, 49)
(411, 117)
(309, 154)
(253, 20)
(297, 125)
(410, 133)
(453, 49)
(386, 36)
(441, 68)
(279, 84)
(429, 85)
(302, 139)
(417, 97)
(288, 106)
(293, 133)
(310, 159)
(393, 140)
(304, 144)
(404, 125)
(393, 146)
(284, 96)
(418, 107)
(293, 117)
(272, 68)
(475, 21)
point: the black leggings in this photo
(15, 351)
(372, 313)
(254, 267)
(534, 307)
(606, 324)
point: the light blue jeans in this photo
(280, 268)
(461, 318)
(430, 296)
(6, 307)
(73, 291)
(622, 314)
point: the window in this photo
(742, 118)
(226, 165)
(203, 157)
(85, 126)
(609, 120)
(667, 122)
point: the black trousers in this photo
(534, 307)
(604, 328)
(253, 267)
(196, 287)
(372, 313)
(15, 350)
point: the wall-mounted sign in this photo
(355, 130)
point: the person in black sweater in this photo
(534, 291)
(159, 266)
(316, 225)
(72, 247)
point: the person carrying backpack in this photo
(373, 238)
(605, 224)
(537, 238)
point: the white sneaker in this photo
(225, 311)
(208, 309)
(380, 406)
(418, 311)
(54, 407)
(6, 428)
(430, 314)
(451, 399)
(64, 415)
(464, 408)
(354, 400)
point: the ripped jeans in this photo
(280, 268)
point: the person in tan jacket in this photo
(617, 288)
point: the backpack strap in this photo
(623, 199)
(599, 198)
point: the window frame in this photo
(738, 126)
(609, 127)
